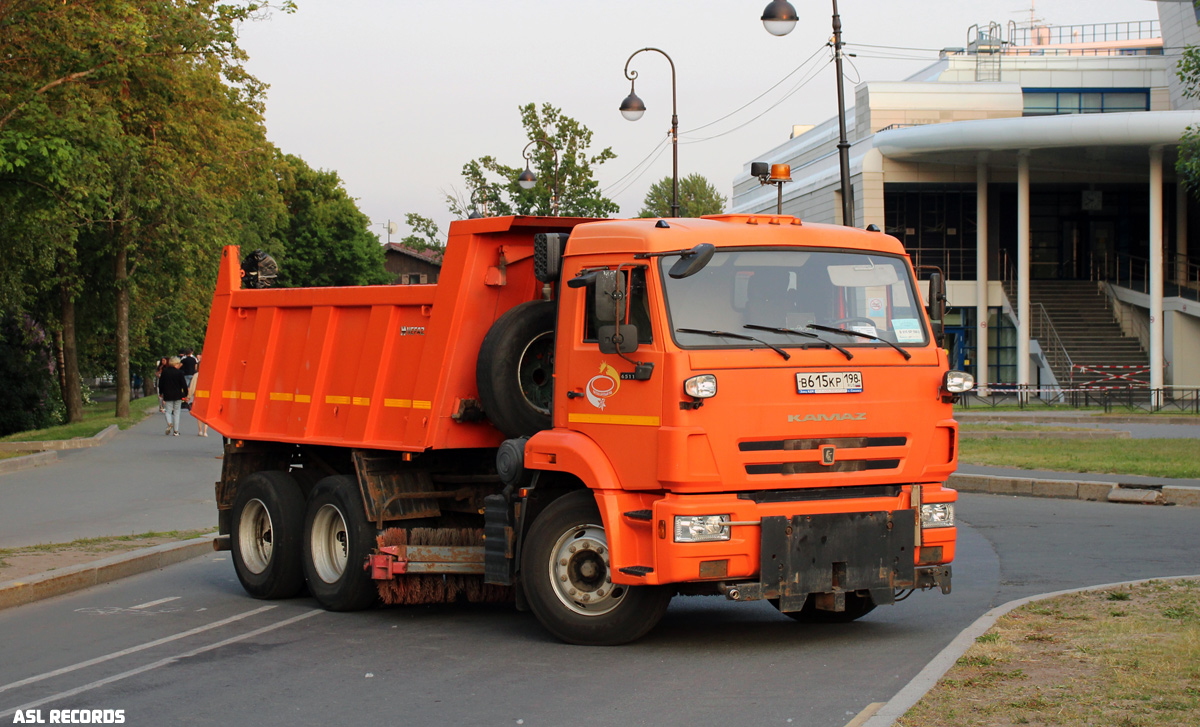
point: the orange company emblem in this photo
(603, 385)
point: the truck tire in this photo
(268, 519)
(337, 540)
(515, 369)
(857, 606)
(564, 570)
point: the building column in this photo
(1181, 256)
(1023, 267)
(1156, 274)
(981, 276)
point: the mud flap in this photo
(835, 554)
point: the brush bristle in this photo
(436, 588)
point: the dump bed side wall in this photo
(382, 367)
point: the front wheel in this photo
(565, 572)
(338, 539)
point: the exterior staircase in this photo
(1081, 322)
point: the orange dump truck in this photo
(589, 417)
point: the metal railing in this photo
(957, 264)
(1183, 399)
(1086, 33)
(1180, 277)
(1052, 345)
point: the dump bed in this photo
(380, 367)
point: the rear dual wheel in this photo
(337, 542)
(268, 515)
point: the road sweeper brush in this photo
(433, 565)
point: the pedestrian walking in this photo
(162, 364)
(189, 364)
(172, 388)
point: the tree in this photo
(487, 180)
(425, 234)
(131, 140)
(326, 240)
(697, 196)
(1188, 162)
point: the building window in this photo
(1056, 101)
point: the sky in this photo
(396, 95)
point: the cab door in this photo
(603, 399)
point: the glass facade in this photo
(1056, 101)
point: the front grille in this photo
(808, 468)
(821, 493)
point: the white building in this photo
(1034, 167)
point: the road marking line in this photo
(134, 649)
(154, 603)
(161, 662)
(861, 718)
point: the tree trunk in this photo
(72, 394)
(122, 373)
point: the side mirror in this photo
(617, 339)
(937, 305)
(610, 295)
(692, 261)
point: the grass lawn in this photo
(1005, 427)
(96, 417)
(1125, 657)
(1151, 457)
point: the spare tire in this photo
(515, 370)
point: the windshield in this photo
(793, 289)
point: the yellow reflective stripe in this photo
(280, 396)
(361, 401)
(337, 400)
(229, 394)
(248, 395)
(422, 404)
(303, 398)
(398, 403)
(202, 394)
(640, 421)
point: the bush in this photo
(29, 395)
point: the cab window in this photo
(638, 313)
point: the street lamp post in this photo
(779, 18)
(632, 108)
(527, 178)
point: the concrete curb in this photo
(78, 443)
(1076, 490)
(85, 575)
(928, 677)
(27, 462)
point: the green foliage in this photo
(1187, 165)
(494, 185)
(697, 197)
(326, 239)
(425, 234)
(29, 395)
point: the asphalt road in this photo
(709, 663)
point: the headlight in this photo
(957, 382)
(937, 515)
(701, 528)
(701, 387)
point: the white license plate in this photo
(830, 382)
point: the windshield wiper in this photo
(727, 334)
(796, 332)
(860, 334)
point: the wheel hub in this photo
(255, 536)
(580, 572)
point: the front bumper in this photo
(859, 543)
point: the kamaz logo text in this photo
(861, 416)
(412, 330)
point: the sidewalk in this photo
(138, 481)
(972, 469)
